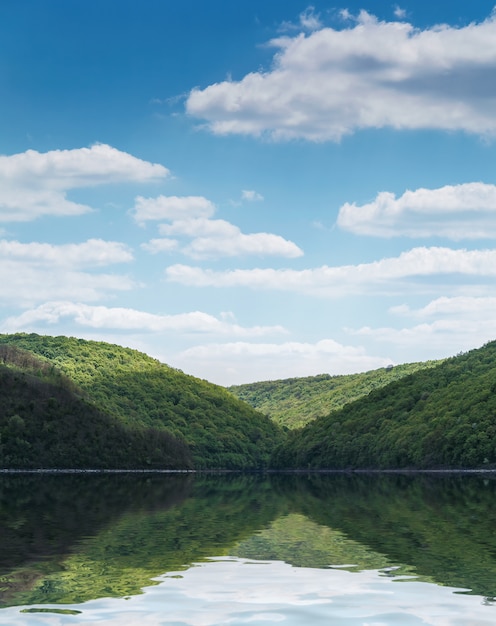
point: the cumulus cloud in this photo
(191, 218)
(34, 272)
(466, 211)
(385, 276)
(172, 208)
(437, 78)
(243, 362)
(125, 319)
(214, 238)
(33, 184)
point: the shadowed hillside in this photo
(46, 422)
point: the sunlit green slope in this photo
(294, 402)
(434, 418)
(139, 392)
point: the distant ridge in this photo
(293, 402)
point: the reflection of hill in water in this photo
(72, 538)
(441, 526)
(297, 540)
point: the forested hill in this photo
(436, 418)
(294, 402)
(45, 422)
(108, 386)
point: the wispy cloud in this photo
(308, 20)
(466, 211)
(439, 77)
(251, 196)
(33, 184)
(399, 12)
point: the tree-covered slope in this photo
(140, 392)
(294, 402)
(46, 423)
(441, 417)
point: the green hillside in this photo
(137, 393)
(294, 402)
(434, 418)
(46, 422)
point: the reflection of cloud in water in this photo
(236, 592)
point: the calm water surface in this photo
(183, 550)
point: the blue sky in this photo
(250, 190)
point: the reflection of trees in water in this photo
(78, 537)
(69, 538)
(441, 525)
(43, 517)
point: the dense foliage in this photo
(294, 402)
(441, 417)
(140, 393)
(45, 422)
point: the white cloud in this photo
(118, 318)
(94, 252)
(243, 362)
(345, 15)
(475, 307)
(34, 284)
(251, 196)
(218, 238)
(385, 276)
(466, 211)
(172, 208)
(33, 184)
(34, 272)
(441, 77)
(445, 326)
(190, 217)
(437, 339)
(154, 246)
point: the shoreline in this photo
(247, 471)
